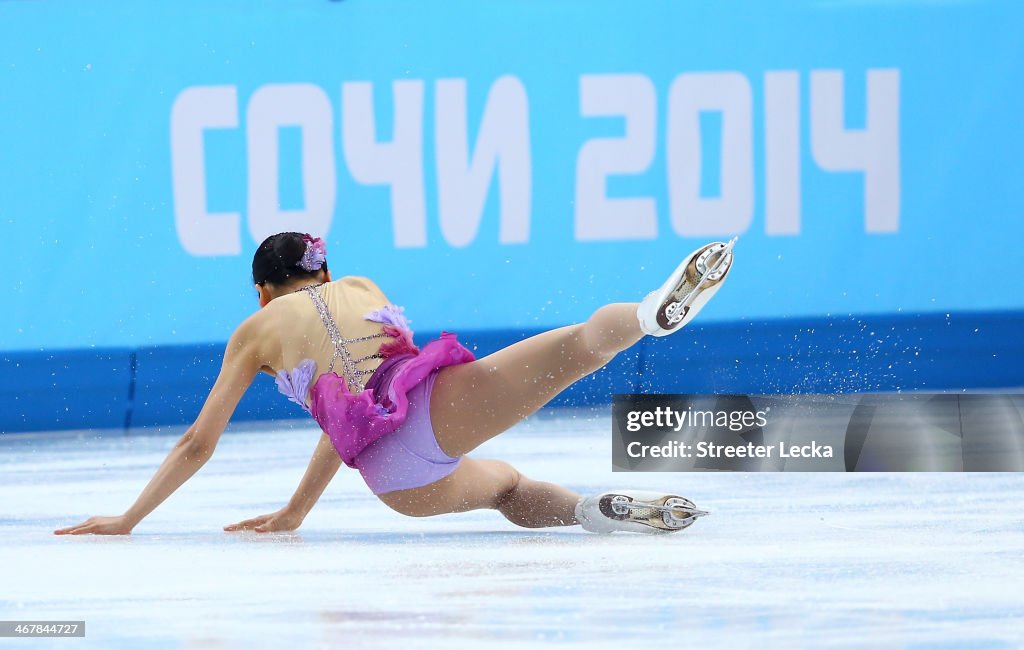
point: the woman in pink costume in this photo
(405, 417)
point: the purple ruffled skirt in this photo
(355, 421)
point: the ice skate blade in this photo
(702, 275)
(681, 513)
(687, 290)
(667, 514)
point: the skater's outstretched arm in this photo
(241, 363)
(322, 467)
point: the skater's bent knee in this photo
(510, 485)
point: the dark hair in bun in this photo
(278, 258)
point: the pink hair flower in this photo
(315, 256)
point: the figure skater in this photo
(405, 417)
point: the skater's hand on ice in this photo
(283, 519)
(98, 526)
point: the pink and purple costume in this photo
(381, 428)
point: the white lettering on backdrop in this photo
(501, 154)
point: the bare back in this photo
(289, 329)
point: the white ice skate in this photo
(637, 511)
(687, 290)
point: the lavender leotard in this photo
(383, 428)
(408, 457)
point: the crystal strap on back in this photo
(353, 375)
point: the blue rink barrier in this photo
(167, 385)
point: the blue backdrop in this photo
(505, 167)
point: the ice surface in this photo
(785, 560)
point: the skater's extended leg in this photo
(474, 402)
(490, 484)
